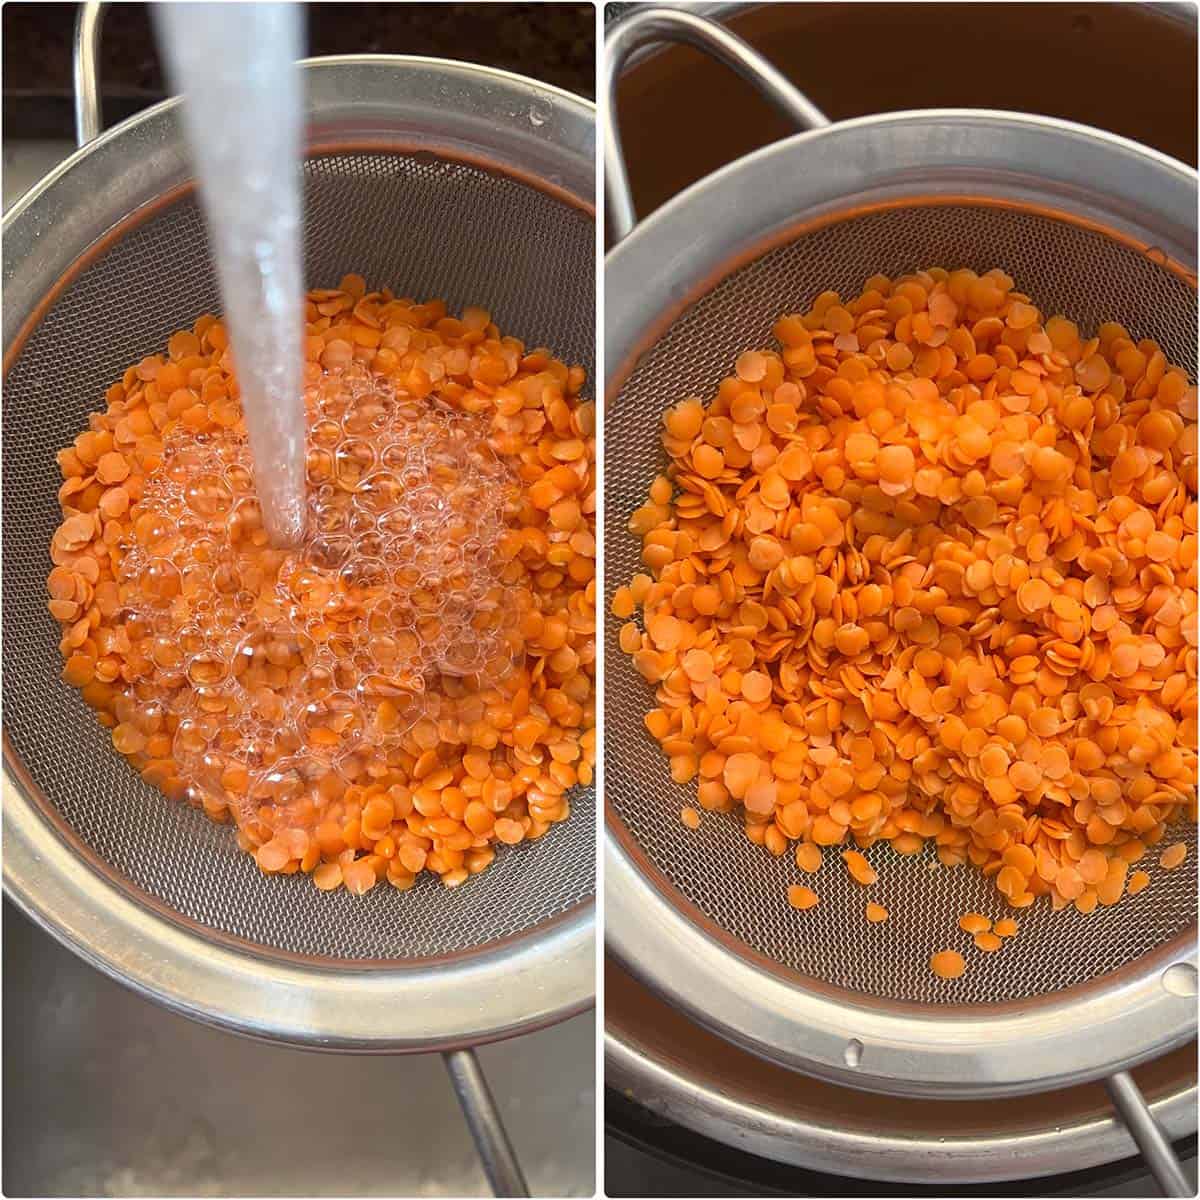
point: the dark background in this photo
(554, 43)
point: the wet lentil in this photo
(939, 553)
(415, 684)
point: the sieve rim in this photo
(153, 112)
(1062, 1038)
(745, 212)
(348, 99)
(746, 209)
(497, 990)
(657, 1058)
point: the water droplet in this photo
(1179, 979)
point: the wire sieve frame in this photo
(475, 115)
(746, 209)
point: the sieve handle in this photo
(1154, 1144)
(89, 123)
(657, 24)
(487, 1127)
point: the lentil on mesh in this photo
(412, 687)
(947, 964)
(926, 571)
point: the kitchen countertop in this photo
(107, 1094)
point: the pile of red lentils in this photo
(415, 683)
(925, 571)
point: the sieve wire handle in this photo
(658, 24)
(1148, 1133)
(89, 122)
(487, 1127)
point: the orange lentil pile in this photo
(926, 571)
(415, 683)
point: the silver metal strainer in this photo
(1090, 226)
(832, 942)
(158, 278)
(436, 179)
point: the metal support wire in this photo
(88, 119)
(652, 24)
(487, 1128)
(1146, 1131)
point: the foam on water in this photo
(236, 65)
(305, 663)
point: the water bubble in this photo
(238, 478)
(325, 432)
(285, 667)
(355, 459)
(207, 495)
(160, 581)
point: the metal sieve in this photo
(434, 178)
(1089, 225)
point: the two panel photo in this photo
(599, 599)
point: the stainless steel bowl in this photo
(683, 1074)
(843, 55)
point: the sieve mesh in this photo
(741, 887)
(426, 227)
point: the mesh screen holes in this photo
(426, 227)
(1080, 273)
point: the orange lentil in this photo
(974, 923)
(708, 461)
(947, 587)
(328, 876)
(801, 897)
(947, 964)
(1172, 856)
(859, 868)
(808, 857)
(876, 913)
(987, 942)
(690, 817)
(1006, 927)
(475, 716)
